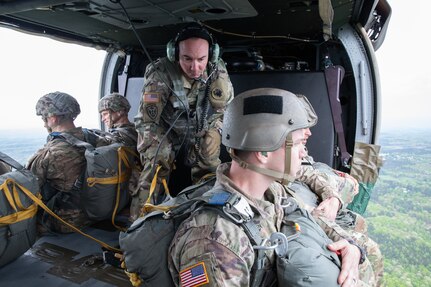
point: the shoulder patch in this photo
(152, 111)
(195, 275)
(151, 97)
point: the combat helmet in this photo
(115, 102)
(57, 104)
(312, 116)
(262, 120)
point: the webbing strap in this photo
(73, 140)
(39, 202)
(285, 178)
(122, 158)
(333, 76)
(259, 272)
(21, 212)
(326, 13)
(148, 206)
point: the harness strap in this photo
(260, 275)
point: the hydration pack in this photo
(17, 211)
(103, 186)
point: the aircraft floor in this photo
(66, 260)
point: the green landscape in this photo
(399, 210)
(398, 213)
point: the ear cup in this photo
(170, 51)
(214, 53)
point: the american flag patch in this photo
(151, 98)
(195, 275)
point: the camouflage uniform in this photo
(160, 110)
(322, 180)
(221, 245)
(124, 133)
(58, 165)
(210, 238)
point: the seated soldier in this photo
(59, 165)
(114, 109)
(209, 244)
(326, 192)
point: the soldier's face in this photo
(307, 134)
(109, 118)
(297, 153)
(193, 57)
(49, 123)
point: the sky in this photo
(404, 62)
(32, 66)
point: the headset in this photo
(193, 30)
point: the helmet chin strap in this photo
(288, 161)
(284, 178)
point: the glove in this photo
(210, 144)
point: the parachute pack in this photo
(17, 210)
(145, 244)
(104, 184)
(307, 261)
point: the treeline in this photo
(399, 210)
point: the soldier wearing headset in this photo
(181, 109)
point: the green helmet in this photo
(115, 102)
(261, 119)
(57, 104)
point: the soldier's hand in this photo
(329, 207)
(210, 144)
(350, 256)
(350, 178)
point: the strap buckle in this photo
(278, 242)
(238, 209)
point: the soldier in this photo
(114, 109)
(59, 165)
(181, 109)
(334, 190)
(263, 129)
